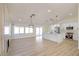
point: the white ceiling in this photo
(24, 11)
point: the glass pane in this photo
(37, 31)
(40, 29)
(31, 30)
(26, 29)
(6, 30)
(21, 29)
(16, 30)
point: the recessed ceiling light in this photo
(70, 14)
(38, 14)
(49, 10)
(20, 20)
(33, 10)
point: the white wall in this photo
(2, 51)
(0, 29)
(78, 26)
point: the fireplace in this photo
(69, 35)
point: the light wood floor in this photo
(31, 47)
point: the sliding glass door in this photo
(38, 31)
(38, 34)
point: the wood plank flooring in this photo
(33, 47)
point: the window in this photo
(21, 30)
(16, 30)
(39, 34)
(29, 29)
(26, 29)
(6, 30)
(38, 31)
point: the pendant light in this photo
(31, 20)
